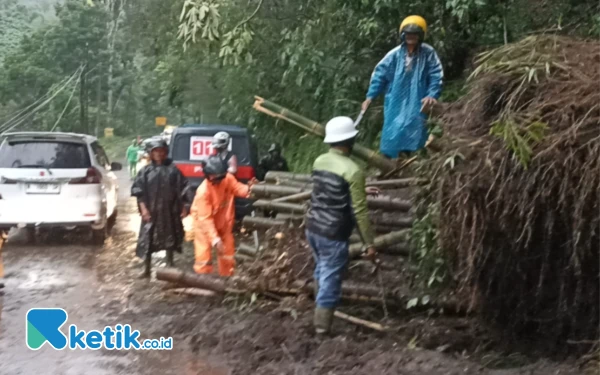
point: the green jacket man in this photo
(132, 158)
(338, 205)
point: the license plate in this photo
(42, 189)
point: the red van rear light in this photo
(245, 173)
(93, 176)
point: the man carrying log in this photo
(338, 204)
(213, 211)
(411, 76)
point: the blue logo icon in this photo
(43, 325)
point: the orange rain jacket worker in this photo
(213, 211)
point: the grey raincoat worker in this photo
(164, 198)
(411, 76)
(338, 205)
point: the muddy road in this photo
(99, 286)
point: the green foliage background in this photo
(313, 57)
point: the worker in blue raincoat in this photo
(411, 77)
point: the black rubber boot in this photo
(170, 261)
(322, 321)
(147, 267)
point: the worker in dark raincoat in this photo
(272, 162)
(410, 76)
(164, 198)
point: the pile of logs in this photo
(287, 195)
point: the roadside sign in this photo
(161, 121)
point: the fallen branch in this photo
(365, 323)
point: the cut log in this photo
(397, 183)
(262, 223)
(371, 157)
(266, 190)
(402, 222)
(297, 184)
(400, 249)
(382, 241)
(248, 250)
(389, 204)
(276, 176)
(280, 206)
(294, 197)
(202, 281)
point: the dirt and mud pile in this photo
(520, 212)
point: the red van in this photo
(190, 144)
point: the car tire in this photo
(99, 236)
(112, 220)
(30, 234)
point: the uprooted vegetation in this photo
(518, 187)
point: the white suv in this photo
(57, 180)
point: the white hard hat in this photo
(340, 129)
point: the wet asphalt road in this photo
(66, 272)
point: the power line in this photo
(68, 102)
(7, 126)
(20, 112)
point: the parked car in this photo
(57, 180)
(190, 144)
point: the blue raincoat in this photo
(406, 82)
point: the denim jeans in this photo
(331, 258)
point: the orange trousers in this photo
(203, 251)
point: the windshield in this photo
(44, 154)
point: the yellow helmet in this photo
(416, 24)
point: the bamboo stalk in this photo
(246, 249)
(382, 242)
(274, 176)
(402, 222)
(294, 183)
(294, 197)
(352, 319)
(280, 206)
(397, 183)
(389, 204)
(194, 292)
(266, 190)
(399, 249)
(262, 223)
(371, 157)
